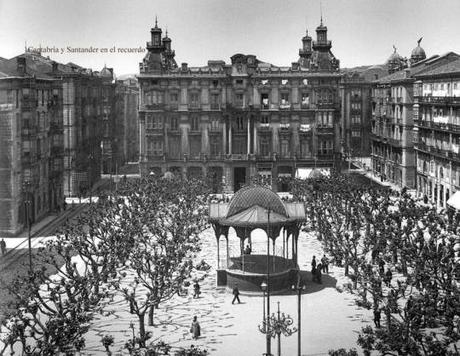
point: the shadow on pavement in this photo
(311, 287)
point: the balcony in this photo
(215, 106)
(445, 100)
(285, 106)
(395, 142)
(237, 157)
(153, 107)
(29, 131)
(325, 130)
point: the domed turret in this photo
(418, 53)
(395, 62)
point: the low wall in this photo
(250, 282)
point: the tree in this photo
(167, 216)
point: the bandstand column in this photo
(226, 238)
(218, 252)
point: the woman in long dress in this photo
(195, 329)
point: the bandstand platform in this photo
(256, 207)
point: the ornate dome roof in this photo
(418, 51)
(249, 196)
(105, 72)
(395, 57)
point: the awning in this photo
(454, 200)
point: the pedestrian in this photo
(247, 250)
(195, 329)
(313, 263)
(388, 277)
(318, 273)
(325, 264)
(64, 205)
(196, 290)
(236, 294)
(3, 246)
(381, 266)
(377, 316)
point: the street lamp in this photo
(281, 324)
(299, 287)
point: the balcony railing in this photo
(454, 100)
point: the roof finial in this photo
(25, 46)
(394, 47)
(166, 31)
(321, 11)
(156, 21)
(420, 40)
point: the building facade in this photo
(393, 131)
(31, 144)
(356, 110)
(437, 144)
(234, 121)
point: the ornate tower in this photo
(169, 54)
(395, 62)
(306, 51)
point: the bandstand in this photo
(256, 207)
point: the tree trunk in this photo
(346, 268)
(142, 329)
(151, 311)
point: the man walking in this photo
(3, 246)
(236, 294)
(377, 316)
(325, 264)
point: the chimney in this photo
(54, 66)
(184, 67)
(21, 65)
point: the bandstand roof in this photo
(256, 206)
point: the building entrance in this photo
(239, 178)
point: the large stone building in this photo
(392, 148)
(53, 118)
(356, 109)
(31, 143)
(234, 121)
(437, 122)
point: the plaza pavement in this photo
(330, 319)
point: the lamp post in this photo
(299, 287)
(27, 203)
(265, 328)
(281, 324)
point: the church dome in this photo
(105, 72)
(249, 196)
(418, 53)
(395, 57)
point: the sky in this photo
(362, 32)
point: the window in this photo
(305, 81)
(305, 148)
(284, 147)
(305, 99)
(215, 83)
(239, 82)
(265, 119)
(173, 123)
(194, 100)
(284, 100)
(264, 100)
(356, 106)
(264, 145)
(215, 124)
(195, 123)
(355, 133)
(356, 119)
(215, 145)
(215, 101)
(154, 147)
(284, 81)
(157, 123)
(356, 93)
(173, 97)
(240, 123)
(264, 82)
(239, 99)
